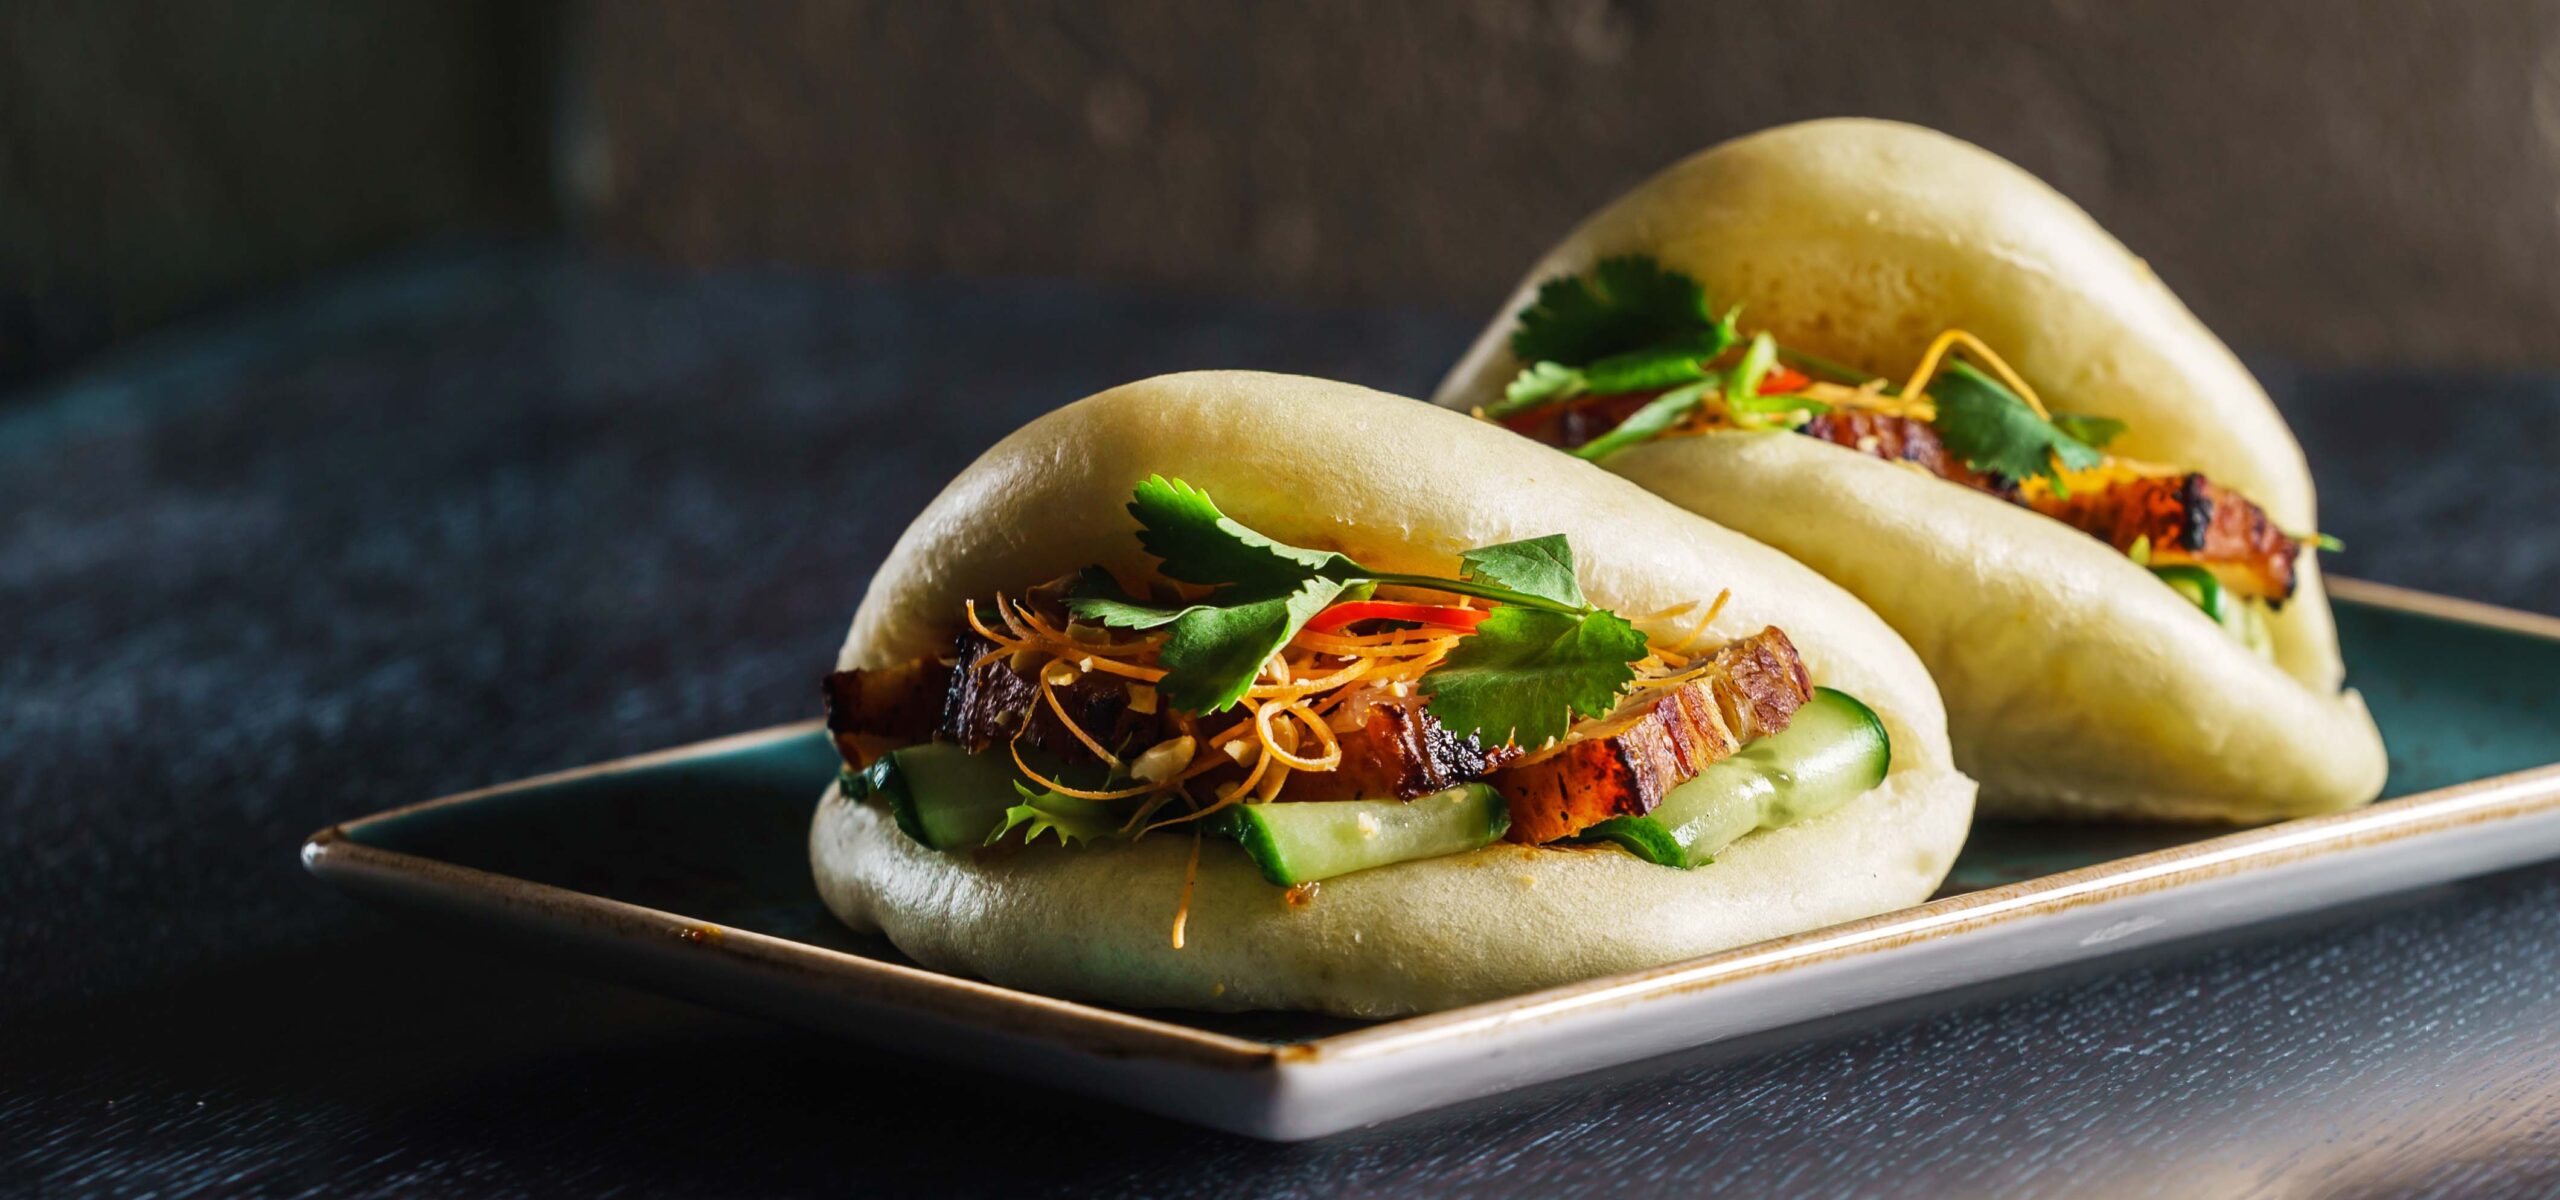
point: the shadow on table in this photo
(402, 1054)
(404, 1063)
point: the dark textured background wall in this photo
(156, 157)
(2332, 180)
(2338, 180)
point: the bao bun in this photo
(1402, 486)
(2075, 683)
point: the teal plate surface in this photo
(718, 834)
(2456, 699)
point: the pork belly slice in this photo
(1751, 689)
(870, 713)
(976, 705)
(1903, 439)
(2190, 520)
(1400, 751)
(988, 701)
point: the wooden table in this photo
(467, 515)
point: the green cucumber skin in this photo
(880, 782)
(948, 799)
(1255, 837)
(2199, 587)
(1294, 842)
(1649, 840)
(2237, 616)
(940, 795)
(1834, 751)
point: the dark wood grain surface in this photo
(469, 515)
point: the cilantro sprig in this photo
(1632, 325)
(1628, 303)
(1544, 655)
(1635, 325)
(1994, 430)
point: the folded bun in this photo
(2079, 685)
(1860, 241)
(1404, 487)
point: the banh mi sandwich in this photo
(1244, 691)
(1927, 375)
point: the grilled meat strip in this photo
(977, 705)
(989, 700)
(2189, 519)
(1904, 439)
(1401, 751)
(1752, 689)
(870, 713)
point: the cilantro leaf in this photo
(1993, 430)
(2097, 431)
(1199, 544)
(1097, 597)
(1525, 673)
(1661, 413)
(1627, 303)
(1216, 649)
(1072, 820)
(1542, 654)
(1539, 566)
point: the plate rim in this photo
(333, 851)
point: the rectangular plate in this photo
(686, 871)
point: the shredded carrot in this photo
(1287, 755)
(970, 608)
(1309, 687)
(1706, 619)
(1323, 733)
(1109, 666)
(1973, 345)
(1012, 614)
(1190, 876)
(1870, 397)
(1665, 613)
(1319, 684)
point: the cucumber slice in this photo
(941, 795)
(1296, 843)
(2200, 588)
(2237, 616)
(1831, 753)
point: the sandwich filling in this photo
(1328, 718)
(1634, 352)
